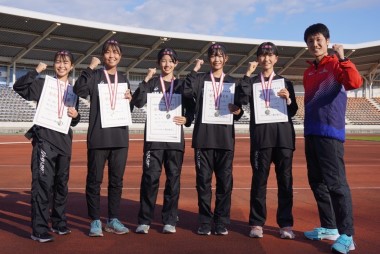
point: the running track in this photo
(363, 170)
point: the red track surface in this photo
(363, 170)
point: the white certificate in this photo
(160, 126)
(121, 114)
(277, 111)
(223, 114)
(47, 109)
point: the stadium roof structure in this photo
(29, 37)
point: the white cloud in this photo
(217, 17)
(197, 16)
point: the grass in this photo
(375, 138)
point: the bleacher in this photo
(138, 115)
(360, 111)
(377, 100)
(300, 115)
(246, 116)
(84, 110)
(13, 108)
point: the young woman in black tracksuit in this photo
(213, 146)
(51, 153)
(270, 142)
(156, 154)
(104, 144)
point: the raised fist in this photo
(41, 67)
(198, 64)
(94, 62)
(251, 68)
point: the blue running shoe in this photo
(116, 227)
(343, 244)
(322, 234)
(96, 228)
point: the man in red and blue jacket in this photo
(326, 82)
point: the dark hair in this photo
(266, 48)
(316, 29)
(167, 51)
(62, 54)
(216, 49)
(113, 44)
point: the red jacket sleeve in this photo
(348, 75)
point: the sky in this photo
(349, 21)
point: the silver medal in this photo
(267, 112)
(217, 113)
(60, 122)
(168, 116)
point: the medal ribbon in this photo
(112, 89)
(217, 90)
(61, 97)
(266, 86)
(168, 101)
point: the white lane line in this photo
(193, 188)
(192, 166)
(84, 140)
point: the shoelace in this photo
(96, 224)
(320, 230)
(117, 224)
(345, 242)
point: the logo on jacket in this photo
(42, 162)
